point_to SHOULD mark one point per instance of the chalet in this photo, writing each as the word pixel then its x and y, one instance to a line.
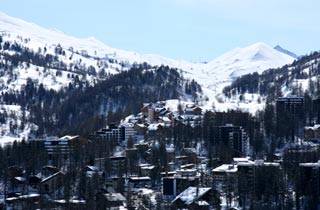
pixel 145 108
pixel 92 170
pixel 181 160
pixel 22 202
pixel 174 185
pixel 146 169
pixel 140 128
pixel 187 166
pixel 192 115
pixel 187 172
pixel 166 121
pixel 168 174
pixel 223 172
pixel 152 128
pixel 192 109
pixel 193 198
pixel 152 111
pixel 71 204
pixel 48 170
pixel 312 132
pixel 52 183
pixel 140 181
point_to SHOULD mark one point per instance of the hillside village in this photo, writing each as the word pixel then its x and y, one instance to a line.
pixel 134 165
pixel 87 126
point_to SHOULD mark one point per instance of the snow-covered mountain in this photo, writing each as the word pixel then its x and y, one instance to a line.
pixel 54 59
pixel 213 75
pixel 240 61
pixel 40 37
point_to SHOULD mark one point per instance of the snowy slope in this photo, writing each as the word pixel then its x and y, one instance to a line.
pixel 220 72
pixel 254 58
pixel 83 53
pixel 213 76
pixel 14 129
pixel 40 37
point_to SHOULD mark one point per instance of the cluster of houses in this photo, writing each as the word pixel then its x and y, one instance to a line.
pixel 160 114
pixel 180 178
pixel 189 181
pixel 29 190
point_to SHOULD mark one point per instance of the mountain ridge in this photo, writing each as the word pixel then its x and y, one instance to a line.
pixel 213 75
pixel 53 60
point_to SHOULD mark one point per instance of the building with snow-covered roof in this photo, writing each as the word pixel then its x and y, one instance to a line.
pixel 312 132
pixel 257 176
pixel 60 147
pixel 52 183
pixel 140 181
pixel 237 160
pixel 223 172
pixel 173 184
pixel 146 169
pixel 194 198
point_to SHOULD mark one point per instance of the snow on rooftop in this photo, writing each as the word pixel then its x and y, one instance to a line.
pixel 315 127
pixel 228 168
pixel 68 137
pixel 155 126
pixel 317 164
pixel 191 194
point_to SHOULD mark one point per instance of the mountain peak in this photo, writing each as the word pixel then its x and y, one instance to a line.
pixel 253 58
pixel 259 45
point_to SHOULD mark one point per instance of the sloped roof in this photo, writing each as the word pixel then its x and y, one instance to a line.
pixel 115 197
pixel 191 195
